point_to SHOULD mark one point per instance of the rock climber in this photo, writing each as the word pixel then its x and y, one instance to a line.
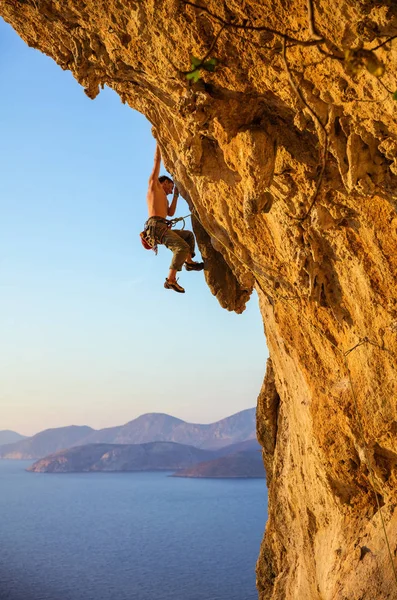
pixel 157 228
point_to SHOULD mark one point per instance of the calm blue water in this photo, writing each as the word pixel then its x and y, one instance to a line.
pixel 127 536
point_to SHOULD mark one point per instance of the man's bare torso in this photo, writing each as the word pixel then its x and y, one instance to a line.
pixel 157 201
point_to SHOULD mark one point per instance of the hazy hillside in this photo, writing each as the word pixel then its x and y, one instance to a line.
pixel 46 442
pixel 241 464
pixel 154 427
pixel 151 427
pixel 251 445
pixel 10 437
pixel 154 456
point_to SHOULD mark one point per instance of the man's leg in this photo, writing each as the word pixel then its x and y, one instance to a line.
pixel 181 251
pixel 188 236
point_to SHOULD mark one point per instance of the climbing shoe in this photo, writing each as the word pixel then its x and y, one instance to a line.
pixel 194 266
pixel 173 285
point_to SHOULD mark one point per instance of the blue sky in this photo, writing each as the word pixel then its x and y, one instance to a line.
pixel 89 335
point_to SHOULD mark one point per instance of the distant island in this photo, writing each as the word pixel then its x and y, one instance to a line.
pixel 242 465
pixel 153 456
pixel 183 460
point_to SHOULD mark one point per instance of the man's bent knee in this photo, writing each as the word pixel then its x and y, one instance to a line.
pixel 180 255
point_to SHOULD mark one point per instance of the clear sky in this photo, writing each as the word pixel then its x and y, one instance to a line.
pixel 88 333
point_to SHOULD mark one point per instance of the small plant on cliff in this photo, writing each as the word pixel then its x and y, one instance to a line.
pixel 197 65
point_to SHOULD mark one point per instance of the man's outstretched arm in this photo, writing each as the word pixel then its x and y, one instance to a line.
pixel 156 167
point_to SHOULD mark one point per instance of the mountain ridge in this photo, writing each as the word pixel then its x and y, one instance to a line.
pixel 36 446
pixel 149 427
pixel 7 436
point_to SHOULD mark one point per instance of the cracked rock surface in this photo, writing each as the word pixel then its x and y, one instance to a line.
pixel 317 239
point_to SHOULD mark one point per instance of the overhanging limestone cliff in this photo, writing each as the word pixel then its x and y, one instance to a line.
pixel 317 238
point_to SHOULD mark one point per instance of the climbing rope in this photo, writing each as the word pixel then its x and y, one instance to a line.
pixel 172 222
pixel 344 355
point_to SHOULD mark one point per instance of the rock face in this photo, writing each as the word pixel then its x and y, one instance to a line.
pixel 287 154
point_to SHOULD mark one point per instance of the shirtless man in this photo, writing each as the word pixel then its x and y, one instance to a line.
pixel 179 241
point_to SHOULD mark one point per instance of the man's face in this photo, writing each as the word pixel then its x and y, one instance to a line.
pixel 168 186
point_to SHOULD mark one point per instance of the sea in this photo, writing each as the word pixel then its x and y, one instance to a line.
pixel 128 536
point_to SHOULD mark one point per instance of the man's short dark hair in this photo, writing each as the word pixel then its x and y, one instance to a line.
pixel 163 178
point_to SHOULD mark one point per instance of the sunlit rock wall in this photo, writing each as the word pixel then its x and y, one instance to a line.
pixel 287 156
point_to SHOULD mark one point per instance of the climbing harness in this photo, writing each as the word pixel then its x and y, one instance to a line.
pixel 148 236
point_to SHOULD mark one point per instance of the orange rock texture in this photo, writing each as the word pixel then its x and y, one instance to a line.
pixel 287 154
